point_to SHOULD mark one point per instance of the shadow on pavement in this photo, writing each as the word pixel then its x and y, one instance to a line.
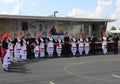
pixel 19 67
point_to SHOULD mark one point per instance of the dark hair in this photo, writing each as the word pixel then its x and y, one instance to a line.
pixel 115 34
pixel 66 32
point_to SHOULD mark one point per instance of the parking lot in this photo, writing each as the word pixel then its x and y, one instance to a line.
pixel 100 69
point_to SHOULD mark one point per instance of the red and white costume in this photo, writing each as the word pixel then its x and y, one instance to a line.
pixel 36 48
pixel 5 57
pixel 104 44
pixel 50 46
pixel 42 47
pixel 73 45
pixel 87 45
pixel 17 48
pixel 23 48
pixel 59 46
pixel 10 47
pixel 80 45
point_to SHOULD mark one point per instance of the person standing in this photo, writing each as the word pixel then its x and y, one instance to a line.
pixel 29 46
pixel 86 44
pixel 59 46
pixel 50 45
pixel 92 45
pixel 115 39
pixel 80 45
pixel 73 45
pixel 66 44
pixel 53 31
pixel 10 47
pixel 23 48
pixel 104 44
pixel 17 47
pixel 36 48
pixel 42 46
pixel 5 57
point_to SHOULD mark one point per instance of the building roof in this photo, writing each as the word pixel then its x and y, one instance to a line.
pixel 55 18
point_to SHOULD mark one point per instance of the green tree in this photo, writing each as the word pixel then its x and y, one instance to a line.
pixel 113 28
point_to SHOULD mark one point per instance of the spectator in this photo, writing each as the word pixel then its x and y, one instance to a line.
pixel 115 39
pixel 66 44
pixel 93 50
pixel 53 31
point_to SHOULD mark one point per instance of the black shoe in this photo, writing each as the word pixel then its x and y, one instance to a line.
pixel 5 69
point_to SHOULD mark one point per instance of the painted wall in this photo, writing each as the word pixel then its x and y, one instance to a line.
pixel 35 27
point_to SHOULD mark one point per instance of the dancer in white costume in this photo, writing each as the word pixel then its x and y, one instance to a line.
pixel 50 46
pixel 80 45
pixel 23 48
pixel 86 44
pixel 17 47
pixel 104 44
pixel 59 46
pixel 42 46
pixel 10 47
pixel 36 48
pixel 5 57
pixel 73 45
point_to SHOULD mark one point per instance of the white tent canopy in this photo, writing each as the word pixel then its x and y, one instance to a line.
pixel 115 31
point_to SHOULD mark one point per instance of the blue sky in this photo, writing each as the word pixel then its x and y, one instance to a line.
pixel 70 8
pixel 47 7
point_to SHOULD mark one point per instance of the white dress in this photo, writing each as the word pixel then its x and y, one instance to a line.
pixel 80 46
pixel 24 50
pixel 42 48
pixel 59 47
pixel 50 47
pixel 36 49
pixel 17 50
pixel 73 46
pixel 87 46
pixel 104 45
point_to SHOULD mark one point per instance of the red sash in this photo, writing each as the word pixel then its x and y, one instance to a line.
pixel 107 46
pixel 67 42
pixel 58 45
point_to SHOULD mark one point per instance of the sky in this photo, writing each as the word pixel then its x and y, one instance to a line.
pixel 102 9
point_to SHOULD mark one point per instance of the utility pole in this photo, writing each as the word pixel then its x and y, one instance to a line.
pixel 55 13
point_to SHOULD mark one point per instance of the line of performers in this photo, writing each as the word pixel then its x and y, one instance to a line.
pixel 24 47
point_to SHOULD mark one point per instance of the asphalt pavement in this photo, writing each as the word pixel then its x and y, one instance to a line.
pixel 100 69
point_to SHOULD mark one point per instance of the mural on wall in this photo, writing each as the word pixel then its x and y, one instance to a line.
pixel 35 27
pixel 76 28
pixel 70 27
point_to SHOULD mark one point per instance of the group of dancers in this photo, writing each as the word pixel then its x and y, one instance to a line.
pixel 20 49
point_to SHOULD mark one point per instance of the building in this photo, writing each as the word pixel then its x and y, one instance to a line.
pixel 39 24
